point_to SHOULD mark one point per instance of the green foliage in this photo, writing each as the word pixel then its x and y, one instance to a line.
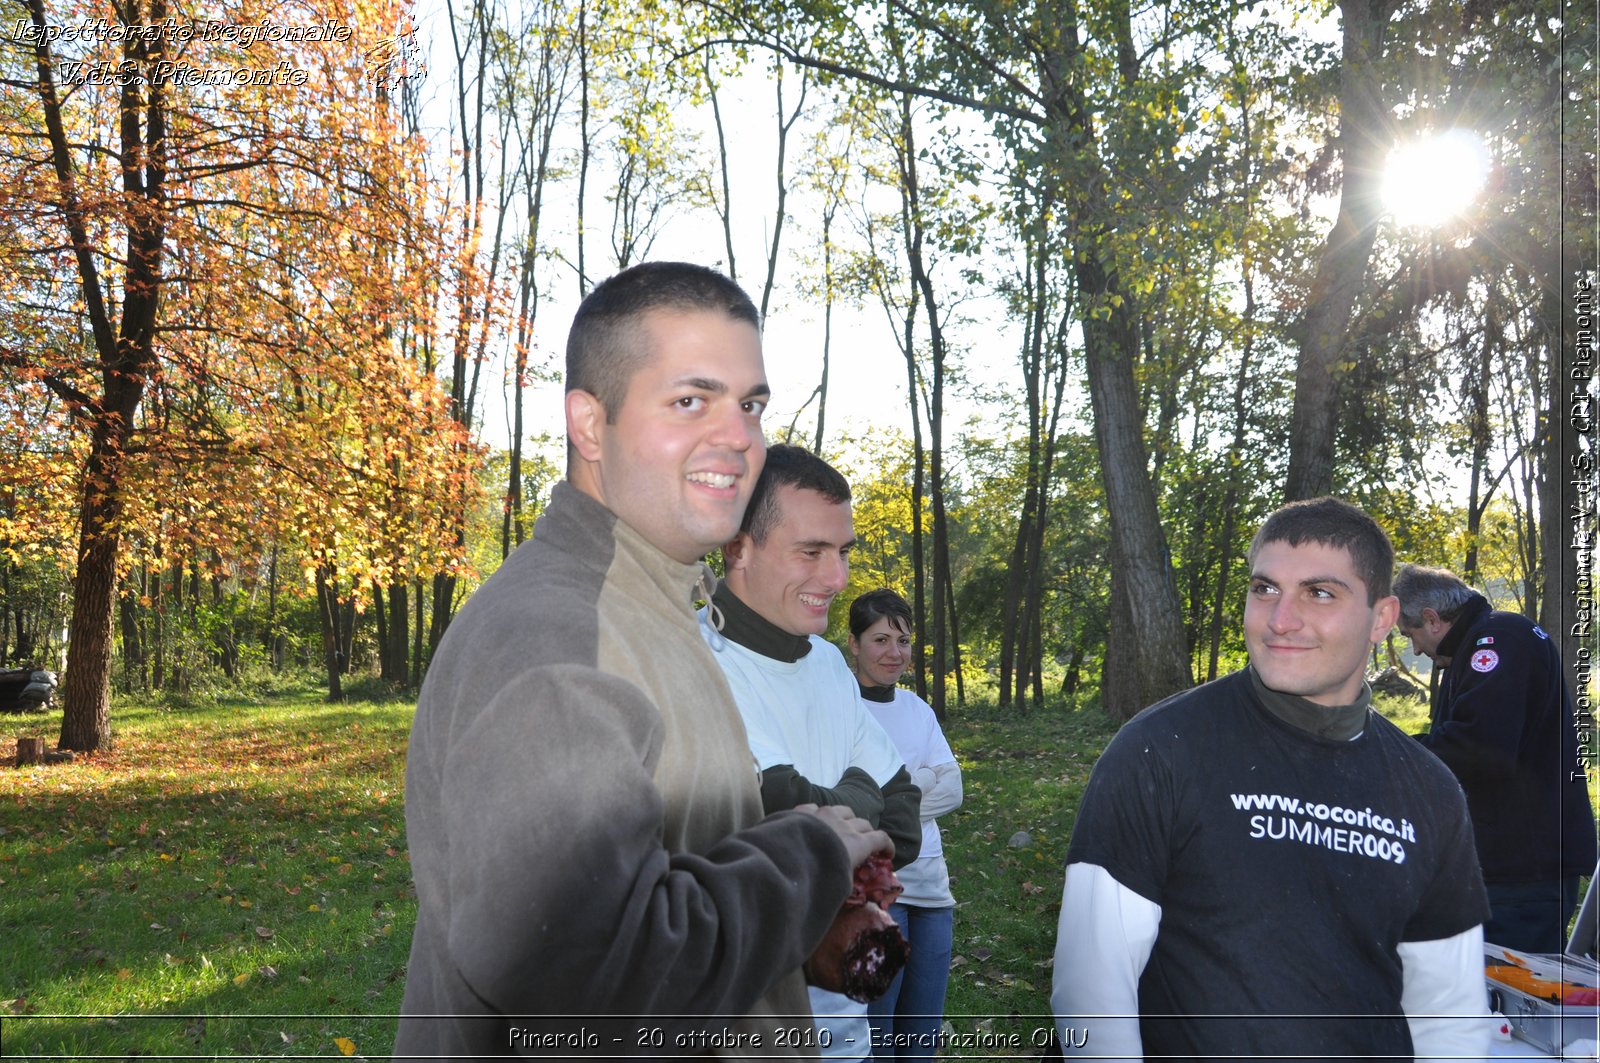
pixel 879 471
pixel 34 595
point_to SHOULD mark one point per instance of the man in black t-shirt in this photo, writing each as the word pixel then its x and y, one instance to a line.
pixel 1264 867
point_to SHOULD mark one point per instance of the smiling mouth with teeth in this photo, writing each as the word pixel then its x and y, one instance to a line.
pixel 806 599
pixel 712 479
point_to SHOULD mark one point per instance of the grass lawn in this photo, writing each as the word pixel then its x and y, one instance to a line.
pixel 1021 774
pixel 231 881
pixel 239 871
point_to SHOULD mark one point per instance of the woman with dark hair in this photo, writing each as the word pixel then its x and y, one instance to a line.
pixel 906 1019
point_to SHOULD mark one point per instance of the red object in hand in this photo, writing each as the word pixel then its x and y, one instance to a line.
pixel 863 949
pixel 875 881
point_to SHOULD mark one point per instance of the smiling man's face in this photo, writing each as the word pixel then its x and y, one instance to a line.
pixel 792 577
pixel 678 460
pixel 1307 622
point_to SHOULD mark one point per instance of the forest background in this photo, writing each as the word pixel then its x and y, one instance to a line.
pixel 1074 292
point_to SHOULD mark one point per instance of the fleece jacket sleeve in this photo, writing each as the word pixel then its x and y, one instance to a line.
pixel 902 817
pixel 782 788
pixel 562 897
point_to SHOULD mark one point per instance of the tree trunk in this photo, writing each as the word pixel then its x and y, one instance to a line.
pixel 444 591
pixel 1014 615
pixel 158 628
pixel 1034 596
pixel 133 677
pixel 724 206
pixel 399 636
pixel 1566 512
pixel 784 126
pixel 380 608
pixel 955 643
pixel 922 284
pixel 1013 625
pixel 919 610
pixel 6 593
pixel 225 639
pixel 827 325
pixel 419 664
pixel 1363 141
pixel 274 642
pixel 918 553
pixel 86 689
pixel 1478 431
pixel 330 614
pixel 178 662
pixel 584 146
pixel 126 355
pixel 1146 658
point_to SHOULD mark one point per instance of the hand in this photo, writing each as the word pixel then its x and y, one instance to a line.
pixel 861 839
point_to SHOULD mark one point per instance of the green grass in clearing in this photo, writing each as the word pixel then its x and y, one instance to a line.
pixel 231 880
pixel 1020 773
pixel 241 868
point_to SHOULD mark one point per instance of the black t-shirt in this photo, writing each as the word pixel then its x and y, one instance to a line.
pixel 1288 869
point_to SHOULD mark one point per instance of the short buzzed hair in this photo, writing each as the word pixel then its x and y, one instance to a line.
pixel 603 347
pixel 1333 522
pixel 796 467
pixel 1439 589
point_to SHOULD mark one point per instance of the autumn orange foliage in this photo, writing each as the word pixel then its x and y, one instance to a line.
pixel 222 251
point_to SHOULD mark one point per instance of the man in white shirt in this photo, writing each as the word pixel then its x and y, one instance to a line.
pixel 812 740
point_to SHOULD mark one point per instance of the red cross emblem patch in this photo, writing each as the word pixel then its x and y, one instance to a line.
pixel 1485 661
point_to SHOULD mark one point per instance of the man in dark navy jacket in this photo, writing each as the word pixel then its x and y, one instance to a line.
pixel 1503 721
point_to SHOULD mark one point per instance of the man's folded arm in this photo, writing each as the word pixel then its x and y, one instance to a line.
pixel 563 898
pixel 782 787
pixel 901 819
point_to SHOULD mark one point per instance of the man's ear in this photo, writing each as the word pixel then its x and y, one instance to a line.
pixel 1387 613
pixel 736 554
pixel 1431 617
pixel 586 420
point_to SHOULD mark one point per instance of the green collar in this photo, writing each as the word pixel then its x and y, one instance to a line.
pixel 1338 723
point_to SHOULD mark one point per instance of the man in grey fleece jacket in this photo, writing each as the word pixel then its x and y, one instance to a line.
pixel 593 869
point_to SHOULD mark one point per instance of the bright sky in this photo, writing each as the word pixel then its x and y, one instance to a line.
pixel 867 375
pixel 867 385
